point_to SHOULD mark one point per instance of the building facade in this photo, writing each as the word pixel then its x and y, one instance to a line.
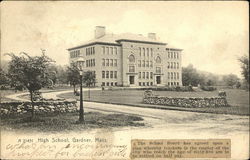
pixel 129 60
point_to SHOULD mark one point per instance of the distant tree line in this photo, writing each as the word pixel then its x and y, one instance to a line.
pixel 192 76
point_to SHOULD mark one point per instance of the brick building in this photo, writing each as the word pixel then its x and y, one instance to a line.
pixel 129 60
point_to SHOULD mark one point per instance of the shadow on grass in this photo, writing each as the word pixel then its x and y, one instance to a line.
pixel 63 122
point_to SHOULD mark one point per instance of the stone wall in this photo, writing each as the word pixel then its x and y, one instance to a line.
pixel 7 108
pixel 187 102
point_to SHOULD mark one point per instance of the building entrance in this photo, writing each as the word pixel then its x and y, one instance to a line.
pixel 158 79
pixel 131 79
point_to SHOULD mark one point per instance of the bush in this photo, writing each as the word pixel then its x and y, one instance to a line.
pixel 208 88
pixel 177 88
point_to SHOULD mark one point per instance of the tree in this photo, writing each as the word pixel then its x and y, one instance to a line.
pixel 230 80
pixel 244 61
pixel 190 76
pixel 3 79
pixel 29 72
pixel 62 74
pixel 73 76
pixel 89 79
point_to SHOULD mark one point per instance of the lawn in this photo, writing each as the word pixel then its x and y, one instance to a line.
pixel 237 99
pixel 52 122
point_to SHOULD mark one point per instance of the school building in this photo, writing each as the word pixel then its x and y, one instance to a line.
pixel 129 60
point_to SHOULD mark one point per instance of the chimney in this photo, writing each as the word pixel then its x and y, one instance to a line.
pixel 152 36
pixel 99 31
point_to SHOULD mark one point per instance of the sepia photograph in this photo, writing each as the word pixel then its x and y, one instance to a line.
pixel 124 80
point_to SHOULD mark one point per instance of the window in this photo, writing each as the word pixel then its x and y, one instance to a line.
pixel 103 62
pixel 171 75
pixel 93 50
pixel 115 50
pixel 103 51
pixel 168 65
pixel 174 55
pixel 115 83
pixel 151 64
pixel 111 83
pixel 139 83
pixel 177 55
pixel 147 75
pixel 171 54
pixel 158 69
pixel 177 65
pixel 107 74
pixel 115 64
pixel 131 58
pixel 111 74
pixel 158 60
pixel 177 75
pixel 143 75
pixel 143 63
pixel 174 75
pixel 107 83
pixel 139 75
pixel 111 62
pixel 103 83
pixel 139 63
pixel 140 51
pixel 151 75
pixel 93 62
pixel 115 74
pixel 168 54
pixel 151 83
pixel 103 74
pixel 131 68
pixel 171 66
pixel 151 49
pixel 168 75
pixel 143 83
pixel 177 83
pixel 147 52
pixel 111 50
pixel 147 65
pixel 174 65
pixel 107 50
pixel 86 51
pixel 107 62
pixel 144 52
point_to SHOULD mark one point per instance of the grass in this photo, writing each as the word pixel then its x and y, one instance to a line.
pixel 53 122
pixel 237 99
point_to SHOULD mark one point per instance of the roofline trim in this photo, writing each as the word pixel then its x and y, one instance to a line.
pixel 177 49
pixel 93 43
pixel 138 41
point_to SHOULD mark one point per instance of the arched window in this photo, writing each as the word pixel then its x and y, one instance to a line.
pixel 131 58
pixel 158 60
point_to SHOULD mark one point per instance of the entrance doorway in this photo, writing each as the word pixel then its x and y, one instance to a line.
pixel 131 79
pixel 158 79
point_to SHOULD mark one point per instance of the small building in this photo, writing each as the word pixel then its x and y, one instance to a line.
pixel 129 60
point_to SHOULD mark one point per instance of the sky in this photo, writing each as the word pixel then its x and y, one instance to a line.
pixel 212 34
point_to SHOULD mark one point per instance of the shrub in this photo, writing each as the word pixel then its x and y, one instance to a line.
pixel 177 88
pixel 208 88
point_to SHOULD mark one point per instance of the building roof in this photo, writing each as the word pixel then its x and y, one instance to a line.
pixel 115 39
